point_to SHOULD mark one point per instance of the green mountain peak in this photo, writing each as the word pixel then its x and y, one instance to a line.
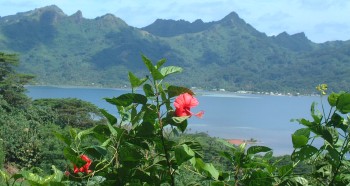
pixel 226 54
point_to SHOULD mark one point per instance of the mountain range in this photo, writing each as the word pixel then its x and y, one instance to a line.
pixel 226 54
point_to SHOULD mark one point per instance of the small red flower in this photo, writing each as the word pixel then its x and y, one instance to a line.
pixel 183 104
pixel 67 173
pixel 84 168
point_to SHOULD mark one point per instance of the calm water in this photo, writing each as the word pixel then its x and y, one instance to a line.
pixel 265 118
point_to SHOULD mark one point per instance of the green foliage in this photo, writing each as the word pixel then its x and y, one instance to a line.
pixel 11 83
pixel 2 153
pixel 71 112
pixel 29 178
pixel 135 148
pixel 229 53
pixel 27 139
pixel 143 143
pixel 329 162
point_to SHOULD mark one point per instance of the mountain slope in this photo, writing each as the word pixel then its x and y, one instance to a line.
pixel 229 53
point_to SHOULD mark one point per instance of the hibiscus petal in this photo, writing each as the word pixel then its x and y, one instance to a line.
pixel 194 102
pixel 85 158
pixel 189 100
pixel 185 100
pixel 179 112
pixel 199 114
pixel 76 169
pixel 179 101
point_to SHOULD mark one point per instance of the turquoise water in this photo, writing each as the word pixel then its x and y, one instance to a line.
pixel 231 116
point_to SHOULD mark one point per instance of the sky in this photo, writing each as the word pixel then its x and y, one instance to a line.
pixel 320 20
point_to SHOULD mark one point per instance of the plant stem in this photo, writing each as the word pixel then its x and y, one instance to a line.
pixel 342 153
pixel 167 159
pixel 162 136
pixel 236 175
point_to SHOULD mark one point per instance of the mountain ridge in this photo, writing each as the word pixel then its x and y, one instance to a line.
pixel 229 53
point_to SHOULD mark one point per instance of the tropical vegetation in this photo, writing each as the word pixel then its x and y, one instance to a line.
pixel 145 141
pixel 227 54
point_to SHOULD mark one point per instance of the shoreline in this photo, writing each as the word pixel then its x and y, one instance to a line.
pixel 77 87
pixel 199 92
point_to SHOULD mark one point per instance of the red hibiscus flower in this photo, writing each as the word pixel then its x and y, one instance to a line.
pixel 183 104
pixel 84 168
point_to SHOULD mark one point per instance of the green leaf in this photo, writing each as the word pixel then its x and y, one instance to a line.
pixel 127 99
pixel 299 140
pixel 303 132
pixel 334 133
pixel 285 170
pixel 195 146
pixel 160 63
pixel 332 99
pixel 225 142
pixel 129 152
pixel 71 155
pixel 102 133
pixel 6 177
pixel 300 137
pixel 147 88
pixel 175 91
pixel 35 179
pixel 305 122
pixel 73 133
pixel 304 153
pixel 111 119
pixel 317 116
pixel 226 155
pixel 84 133
pixel 150 114
pixel 183 153
pixel 298 181
pixel 211 170
pixel 180 119
pixel 165 100
pixel 135 81
pixel 63 138
pixel 96 180
pixel 333 155
pixel 338 122
pixel 145 129
pixel 165 71
pixel 180 122
pixel 113 130
pixel 329 134
pixel 182 126
pixel 97 152
pixel 343 103
pixel 217 183
pixel 268 155
pixel 152 69
pixel 258 149
pixel 57 174
pixel 106 143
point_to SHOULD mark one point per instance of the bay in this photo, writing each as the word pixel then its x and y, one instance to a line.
pixel 265 118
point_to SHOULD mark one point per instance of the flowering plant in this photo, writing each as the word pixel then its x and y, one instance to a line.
pixel 84 168
pixel 139 146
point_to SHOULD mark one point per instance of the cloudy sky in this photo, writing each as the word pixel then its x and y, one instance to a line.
pixel 320 20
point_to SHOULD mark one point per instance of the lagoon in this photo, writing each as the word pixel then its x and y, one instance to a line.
pixel 265 118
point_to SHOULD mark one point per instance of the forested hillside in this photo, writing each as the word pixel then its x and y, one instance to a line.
pixel 230 54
